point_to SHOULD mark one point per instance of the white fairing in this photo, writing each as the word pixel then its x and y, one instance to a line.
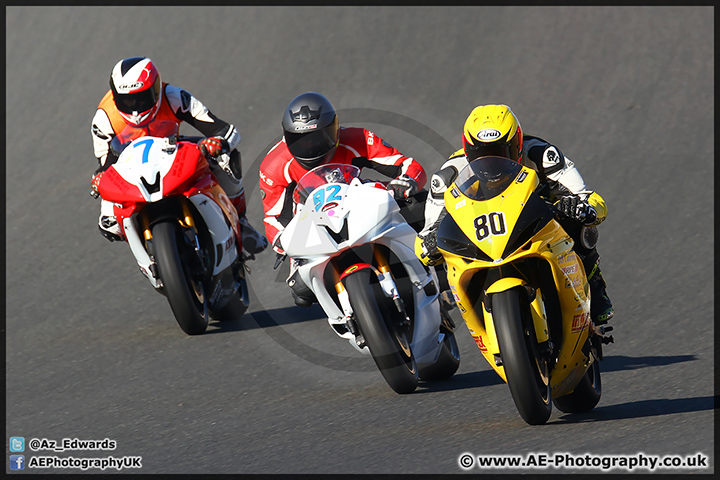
pixel 147 158
pixel 371 215
pixel 138 250
pixel 223 236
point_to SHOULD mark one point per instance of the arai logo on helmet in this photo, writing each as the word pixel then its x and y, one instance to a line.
pixel 131 86
pixel 489 134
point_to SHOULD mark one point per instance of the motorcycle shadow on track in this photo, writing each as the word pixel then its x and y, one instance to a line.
pixel 639 409
pixel 268 318
pixel 461 381
pixel 617 363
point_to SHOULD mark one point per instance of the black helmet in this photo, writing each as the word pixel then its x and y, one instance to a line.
pixel 310 127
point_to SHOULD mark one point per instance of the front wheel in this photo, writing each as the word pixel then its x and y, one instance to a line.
pixel 586 394
pixel 185 294
pixel 526 373
pixel 385 338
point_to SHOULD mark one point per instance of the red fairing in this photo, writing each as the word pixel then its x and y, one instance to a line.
pixel 114 188
pixel 188 165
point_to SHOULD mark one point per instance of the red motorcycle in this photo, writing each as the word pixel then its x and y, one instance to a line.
pixel 179 223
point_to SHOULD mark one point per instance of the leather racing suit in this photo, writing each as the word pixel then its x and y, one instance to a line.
pixel 177 105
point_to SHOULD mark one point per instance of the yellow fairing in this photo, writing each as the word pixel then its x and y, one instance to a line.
pixel 550 245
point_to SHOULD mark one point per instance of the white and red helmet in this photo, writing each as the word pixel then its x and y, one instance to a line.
pixel 137 89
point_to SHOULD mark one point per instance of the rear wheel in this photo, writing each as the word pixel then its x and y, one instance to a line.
pixel 449 360
pixel 185 293
pixel 526 372
pixel 237 305
pixel 447 363
pixel 586 394
pixel 379 326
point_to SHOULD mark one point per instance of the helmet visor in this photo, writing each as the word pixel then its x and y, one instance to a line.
pixel 312 145
pixel 138 101
pixel 508 149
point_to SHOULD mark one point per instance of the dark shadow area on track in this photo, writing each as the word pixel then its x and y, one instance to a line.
pixel 644 408
pixel 612 363
pixel 489 377
pixel 267 318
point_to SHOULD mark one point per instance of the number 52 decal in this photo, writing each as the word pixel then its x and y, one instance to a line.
pixel 491 224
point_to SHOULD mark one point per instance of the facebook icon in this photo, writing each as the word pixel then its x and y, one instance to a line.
pixel 17 462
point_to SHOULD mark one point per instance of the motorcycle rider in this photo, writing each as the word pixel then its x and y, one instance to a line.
pixel 312 137
pixel 138 96
pixel 495 130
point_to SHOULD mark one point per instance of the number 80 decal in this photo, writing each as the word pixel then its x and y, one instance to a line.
pixel 490 224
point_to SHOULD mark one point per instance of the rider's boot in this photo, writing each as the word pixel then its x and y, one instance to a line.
pixel 253 241
pixel 108 224
pixel 301 293
pixel 601 309
pixel 227 168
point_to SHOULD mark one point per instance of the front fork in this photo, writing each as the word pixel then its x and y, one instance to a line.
pixel 387 283
pixel 200 267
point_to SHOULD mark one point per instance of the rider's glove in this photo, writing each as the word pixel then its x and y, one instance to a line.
pixel 427 250
pixel 403 187
pixel 94 185
pixel 212 147
pixel 277 246
pixel 574 208
pixel 280 254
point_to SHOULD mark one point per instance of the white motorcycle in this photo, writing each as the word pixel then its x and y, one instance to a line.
pixel 355 251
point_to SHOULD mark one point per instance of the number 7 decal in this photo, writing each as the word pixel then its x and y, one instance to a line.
pixel 147 144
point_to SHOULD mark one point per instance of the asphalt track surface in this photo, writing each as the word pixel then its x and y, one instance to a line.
pixel 93 352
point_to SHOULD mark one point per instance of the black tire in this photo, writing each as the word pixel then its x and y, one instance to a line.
pixel 586 394
pixel 236 306
pixel 233 310
pixel 387 342
pixel 526 374
pixel 185 295
pixel 447 363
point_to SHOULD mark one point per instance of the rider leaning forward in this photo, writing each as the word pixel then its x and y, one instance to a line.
pixel 313 137
pixel 137 96
pixel 561 183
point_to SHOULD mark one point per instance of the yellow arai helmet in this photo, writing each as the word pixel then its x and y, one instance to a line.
pixel 492 130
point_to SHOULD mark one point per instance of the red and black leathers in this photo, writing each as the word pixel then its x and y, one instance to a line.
pixel 279 172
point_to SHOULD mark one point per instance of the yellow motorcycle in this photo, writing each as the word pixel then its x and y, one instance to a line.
pixel 521 289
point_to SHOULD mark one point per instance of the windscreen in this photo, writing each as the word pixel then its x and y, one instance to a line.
pixel 487 177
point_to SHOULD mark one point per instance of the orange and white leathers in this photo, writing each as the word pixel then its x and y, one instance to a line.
pixel 176 105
